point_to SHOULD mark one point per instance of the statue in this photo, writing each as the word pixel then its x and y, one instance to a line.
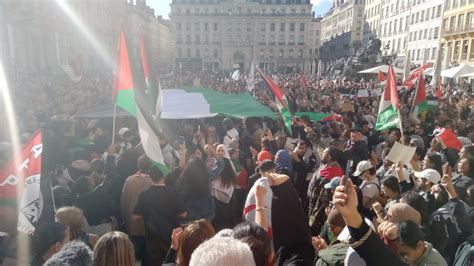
pixel 368 53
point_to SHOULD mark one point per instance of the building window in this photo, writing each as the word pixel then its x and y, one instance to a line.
pixel 188 26
pixel 206 26
pixel 188 39
pixel 465 47
pixel 301 26
pixel 188 52
pixel 438 11
pixel 272 26
pixel 292 26
pixel 216 53
pixel 300 53
pixel 179 38
pixel 215 27
pixel 291 53
pixel 425 34
pixel 436 30
pixel 422 18
pixel 180 52
pixel 281 53
pixel 198 52
pixel 271 53
pixel 262 53
pixel 433 53
pixel 178 26
pixel 282 26
pixel 206 52
pixel 262 27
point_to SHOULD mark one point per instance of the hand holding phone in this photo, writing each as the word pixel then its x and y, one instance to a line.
pixel 348 172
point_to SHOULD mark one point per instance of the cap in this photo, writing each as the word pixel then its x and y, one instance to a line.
pixel 333 183
pixel 264 155
pixel 432 175
pixel 362 166
pixel 123 130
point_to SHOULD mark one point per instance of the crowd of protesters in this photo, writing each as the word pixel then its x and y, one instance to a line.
pixel 249 192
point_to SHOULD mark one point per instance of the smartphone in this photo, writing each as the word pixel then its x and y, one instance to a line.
pixel 348 172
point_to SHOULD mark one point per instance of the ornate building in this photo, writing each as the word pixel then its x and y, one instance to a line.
pixel 342 30
pixel 372 20
pixel 230 34
pixel 458 31
pixel 42 34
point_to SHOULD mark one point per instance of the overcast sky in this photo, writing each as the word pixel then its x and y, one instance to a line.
pixel 162 7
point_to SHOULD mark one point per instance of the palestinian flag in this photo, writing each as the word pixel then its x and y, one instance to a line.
pixel 320 117
pixel 138 102
pixel 191 103
pixel 412 79
pixel 420 103
pixel 280 98
pixel 305 87
pixel 388 109
pixel 20 181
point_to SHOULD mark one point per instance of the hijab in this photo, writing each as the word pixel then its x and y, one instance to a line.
pixel 283 161
pixel 400 212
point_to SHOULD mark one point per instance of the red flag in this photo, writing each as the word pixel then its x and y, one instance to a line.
pixel 449 138
pixel 274 87
pixel 392 89
pixel 439 91
pixel 20 180
pixel 381 76
pixel 123 76
pixel 421 90
pixel 414 74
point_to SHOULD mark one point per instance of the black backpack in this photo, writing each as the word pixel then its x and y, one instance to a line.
pixel 465 253
pixel 445 234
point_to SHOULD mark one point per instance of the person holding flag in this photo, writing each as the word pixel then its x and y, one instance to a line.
pixel 280 99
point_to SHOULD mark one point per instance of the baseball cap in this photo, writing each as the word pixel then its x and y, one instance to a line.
pixel 362 166
pixel 333 183
pixel 432 175
pixel 123 130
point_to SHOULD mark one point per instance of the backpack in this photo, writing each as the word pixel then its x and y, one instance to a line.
pixel 465 253
pixel 333 255
pixel 318 202
pixel 445 234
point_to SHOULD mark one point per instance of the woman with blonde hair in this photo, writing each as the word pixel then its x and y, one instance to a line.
pixel 114 249
pixel 75 220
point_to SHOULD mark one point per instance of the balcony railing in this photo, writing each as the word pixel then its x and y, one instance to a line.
pixel 459 29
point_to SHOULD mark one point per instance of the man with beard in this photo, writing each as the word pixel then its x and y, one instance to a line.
pixel 425 181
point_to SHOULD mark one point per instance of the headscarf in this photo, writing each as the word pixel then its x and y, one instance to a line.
pixel 284 161
pixel 401 212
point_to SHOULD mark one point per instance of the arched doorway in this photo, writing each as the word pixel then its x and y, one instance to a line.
pixel 238 61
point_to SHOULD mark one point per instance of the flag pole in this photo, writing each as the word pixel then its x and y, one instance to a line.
pixel 113 123
pixel 400 124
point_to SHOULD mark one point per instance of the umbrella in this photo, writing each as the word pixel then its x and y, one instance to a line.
pixel 468 75
pixel 383 68
pixel 458 71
